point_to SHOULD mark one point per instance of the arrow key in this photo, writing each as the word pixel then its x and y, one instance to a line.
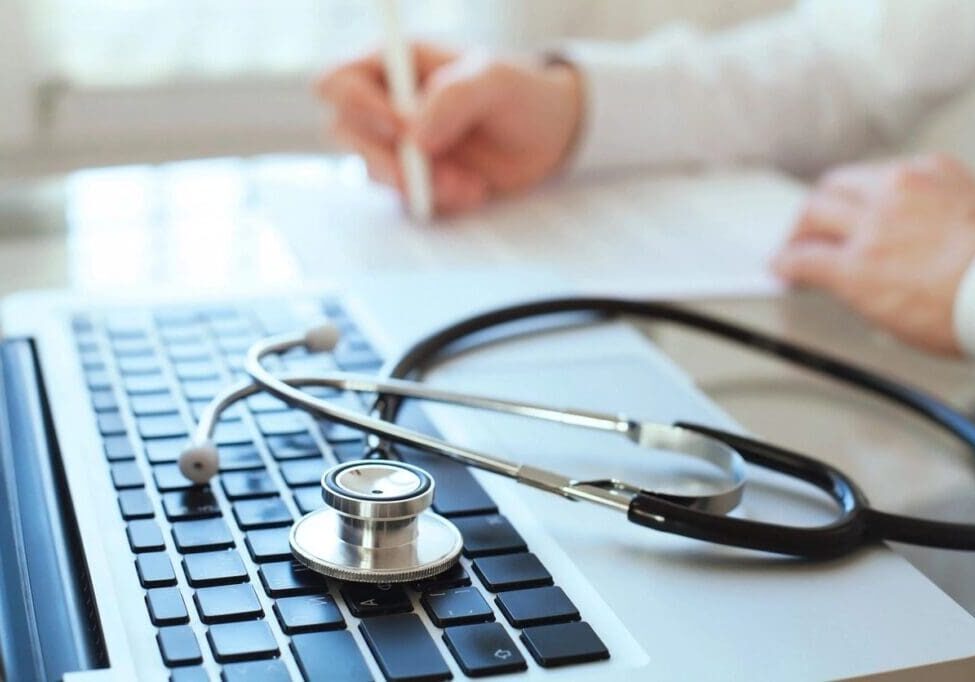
pixel 484 649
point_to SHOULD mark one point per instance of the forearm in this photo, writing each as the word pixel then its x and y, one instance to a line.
pixel 820 84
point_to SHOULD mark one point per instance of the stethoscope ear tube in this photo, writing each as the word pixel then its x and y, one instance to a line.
pixel 846 533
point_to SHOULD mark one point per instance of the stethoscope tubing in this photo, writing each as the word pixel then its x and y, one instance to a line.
pixel 858 523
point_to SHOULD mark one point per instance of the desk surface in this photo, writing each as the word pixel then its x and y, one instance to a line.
pixel 82 233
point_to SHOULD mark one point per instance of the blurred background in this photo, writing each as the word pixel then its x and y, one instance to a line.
pixel 92 82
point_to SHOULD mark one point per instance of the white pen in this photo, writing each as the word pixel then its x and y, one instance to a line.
pixel 401 78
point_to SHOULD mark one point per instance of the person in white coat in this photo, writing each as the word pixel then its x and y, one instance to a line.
pixel 820 85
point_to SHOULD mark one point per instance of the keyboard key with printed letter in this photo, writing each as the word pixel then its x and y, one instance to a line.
pixel 403 648
pixel 484 649
pixel 308 613
pixel 456 607
pixel 365 600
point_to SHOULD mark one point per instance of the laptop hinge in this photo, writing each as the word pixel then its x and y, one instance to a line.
pixel 48 620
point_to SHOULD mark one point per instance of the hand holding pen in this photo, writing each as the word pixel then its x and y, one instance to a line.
pixel 487 127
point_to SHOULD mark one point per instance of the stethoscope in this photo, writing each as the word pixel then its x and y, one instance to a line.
pixel 376 525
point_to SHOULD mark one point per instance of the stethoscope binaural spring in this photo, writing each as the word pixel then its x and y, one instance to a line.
pixel 701 516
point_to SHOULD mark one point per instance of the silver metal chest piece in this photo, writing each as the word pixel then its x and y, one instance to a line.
pixel 376 527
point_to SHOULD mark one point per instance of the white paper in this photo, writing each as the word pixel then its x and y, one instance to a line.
pixel 706 234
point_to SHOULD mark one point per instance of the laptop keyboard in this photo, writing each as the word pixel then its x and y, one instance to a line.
pixel 220 582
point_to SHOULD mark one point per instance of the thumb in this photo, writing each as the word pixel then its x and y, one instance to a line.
pixel 810 263
pixel 455 100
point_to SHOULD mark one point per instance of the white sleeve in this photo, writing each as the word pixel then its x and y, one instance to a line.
pixel 821 83
pixel 964 312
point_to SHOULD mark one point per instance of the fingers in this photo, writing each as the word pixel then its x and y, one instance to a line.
pixel 827 216
pixel 813 264
pixel 456 98
pixel 457 189
pixel 361 102
pixel 380 158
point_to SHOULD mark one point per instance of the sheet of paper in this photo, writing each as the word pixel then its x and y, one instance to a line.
pixel 705 234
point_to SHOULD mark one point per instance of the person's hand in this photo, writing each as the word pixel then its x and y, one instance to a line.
pixel 490 126
pixel 893 240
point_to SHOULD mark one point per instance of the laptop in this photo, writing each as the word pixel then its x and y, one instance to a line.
pixel 114 567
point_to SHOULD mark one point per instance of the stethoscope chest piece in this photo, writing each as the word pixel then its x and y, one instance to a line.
pixel 376 526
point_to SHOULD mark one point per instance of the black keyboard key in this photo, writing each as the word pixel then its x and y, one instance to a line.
pixel 403 648
pixel 135 504
pixel 290 579
pixel 458 606
pixel 166 606
pixel 308 613
pixel 268 512
pixel 309 499
pixel 337 434
pixel 457 492
pixel 187 346
pixel 153 404
pixel 455 576
pixel 484 649
pixel 194 674
pixel 282 423
pixel 161 426
pixel 240 485
pixel 511 572
pixel 155 569
pixel 239 457
pixel 179 646
pixel 126 475
pixel 227 603
pixel 293 446
pixel 487 535
pixel 214 568
pixel 232 433
pixel 195 503
pixel 141 384
pixel 165 449
pixel 270 544
pixel 110 424
pixel 169 477
pixel 103 400
pixel 118 449
pixel 242 641
pixel 365 600
pixel 536 606
pixel 332 656
pixel 563 644
pixel 144 536
pixel 303 471
pixel 271 670
pixel 202 535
